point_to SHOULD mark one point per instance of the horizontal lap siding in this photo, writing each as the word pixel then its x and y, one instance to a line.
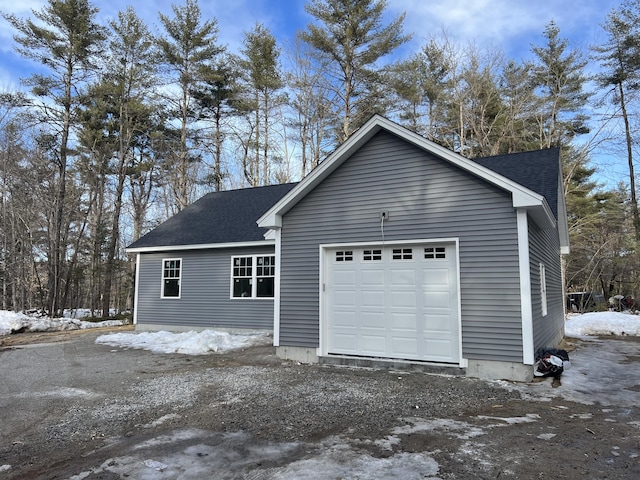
pixel 545 248
pixel 205 293
pixel 426 198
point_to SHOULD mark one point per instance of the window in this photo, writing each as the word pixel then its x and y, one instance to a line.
pixel 253 276
pixel 171 273
pixel 543 289
pixel 402 254
pixel 372 255
pixel 344 256
pixel 435 252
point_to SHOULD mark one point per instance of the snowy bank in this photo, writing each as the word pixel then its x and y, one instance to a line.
pixel 13 322
pixel 189 343
pixel 602 323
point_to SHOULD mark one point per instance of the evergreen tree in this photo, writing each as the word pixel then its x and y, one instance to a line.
pixel 64 39
pixel 559 79
pixel 188 51
pixel 260 62
pixel 352 38
pixel 620 59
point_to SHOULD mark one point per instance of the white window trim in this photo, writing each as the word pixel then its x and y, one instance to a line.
pixel 254 277
pixel 543 289
pixel 162 279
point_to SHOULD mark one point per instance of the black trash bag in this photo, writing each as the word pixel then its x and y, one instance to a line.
pixel 550 362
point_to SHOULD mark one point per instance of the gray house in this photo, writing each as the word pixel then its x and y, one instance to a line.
pixel 394 249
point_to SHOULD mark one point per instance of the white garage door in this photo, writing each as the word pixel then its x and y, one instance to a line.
pixel 396 302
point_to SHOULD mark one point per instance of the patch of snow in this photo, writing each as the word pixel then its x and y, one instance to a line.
pixel 602 323
pixel 188 343
pixel 546 436
pixel 12 322
pixel 5 468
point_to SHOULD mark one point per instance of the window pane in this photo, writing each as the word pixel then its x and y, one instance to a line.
pixel 171 288
pixel 265 287
pixel 242 287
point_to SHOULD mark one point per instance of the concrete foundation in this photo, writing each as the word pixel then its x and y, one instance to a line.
pixel 492 370
pixel 298 354
pixel 483 369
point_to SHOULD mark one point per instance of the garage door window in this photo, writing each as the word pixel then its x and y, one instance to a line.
pixel 435 252
pixel 344 256
pixel 402 253
pixel 372 255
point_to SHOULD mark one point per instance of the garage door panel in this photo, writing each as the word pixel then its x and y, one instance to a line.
pixel 344 298
pixel 438 349
pixel 405 347
pixel 404 321
pixel 345 318
pixel 345 342
pixel 372 277
pixel 436 277
pixel 401 306
pixel 434 323
pixel 437 299
pixel 344 278
pixel 373 344
pixel 403 277
pixel 372 319
pixel 403 299
pixel 372 298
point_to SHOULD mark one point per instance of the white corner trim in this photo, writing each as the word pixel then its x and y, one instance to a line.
pixel 136 290
pixel 276 294
pixel 525 287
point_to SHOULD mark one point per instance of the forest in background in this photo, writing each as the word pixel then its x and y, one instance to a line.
pixel 122 127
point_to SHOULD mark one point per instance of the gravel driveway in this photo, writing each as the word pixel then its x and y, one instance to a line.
pixel 72 409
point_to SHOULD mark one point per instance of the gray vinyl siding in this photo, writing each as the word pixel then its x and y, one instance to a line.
pixel 544 247
pixel 427 198
pixel 205 292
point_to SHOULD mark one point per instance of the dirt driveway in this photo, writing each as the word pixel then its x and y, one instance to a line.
pixel 72 409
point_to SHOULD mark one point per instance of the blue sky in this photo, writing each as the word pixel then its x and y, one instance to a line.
pixel 509 25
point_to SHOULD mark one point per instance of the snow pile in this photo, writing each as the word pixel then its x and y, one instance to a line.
pixel 602 323
pixel 12 322
pixel 188 343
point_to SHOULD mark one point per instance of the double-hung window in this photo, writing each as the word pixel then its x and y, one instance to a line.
pixel 171 274
pixel 253 276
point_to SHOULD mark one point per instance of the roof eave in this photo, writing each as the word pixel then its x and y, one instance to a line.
pixel 201 246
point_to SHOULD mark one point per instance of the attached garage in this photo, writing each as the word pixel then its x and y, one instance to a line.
pixel 396 301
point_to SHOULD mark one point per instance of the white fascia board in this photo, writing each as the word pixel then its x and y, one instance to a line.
pixel 522 197
pixel 203 246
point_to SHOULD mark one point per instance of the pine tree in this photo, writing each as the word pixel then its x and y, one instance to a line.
pixel 64 39
pixel 352 38
pixel 187 50
pixel 620 59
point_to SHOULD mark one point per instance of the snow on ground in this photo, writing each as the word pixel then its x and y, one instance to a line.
pixel 12 322
pixel 602 323
pixel 189 343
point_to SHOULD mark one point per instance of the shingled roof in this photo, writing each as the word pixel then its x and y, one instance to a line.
pixel 216 218
pixel 537 170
